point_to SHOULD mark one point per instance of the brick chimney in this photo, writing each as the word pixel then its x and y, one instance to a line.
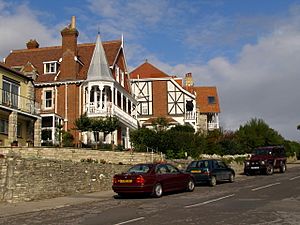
pixel 32 43
pixel 69 67
pixel 189 80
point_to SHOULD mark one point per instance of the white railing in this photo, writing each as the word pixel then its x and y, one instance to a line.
pixel 93 110
pixel 190 116
pixel 212 126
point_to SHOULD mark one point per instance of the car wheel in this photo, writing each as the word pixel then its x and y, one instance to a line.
pixel 213 181
pixel 283 168
pixel 231 178
pixel 157 191
pixel 269 170
pixel 191 185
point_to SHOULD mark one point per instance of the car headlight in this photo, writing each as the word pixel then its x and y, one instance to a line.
pixel 263 162
pixel 247 163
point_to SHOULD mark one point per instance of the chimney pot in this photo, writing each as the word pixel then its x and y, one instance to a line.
pixel 73 22
pixel 32 43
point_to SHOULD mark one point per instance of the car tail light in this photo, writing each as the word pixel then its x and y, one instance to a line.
pixel 140 180
pixel 114 180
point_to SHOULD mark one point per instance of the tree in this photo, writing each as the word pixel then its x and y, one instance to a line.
pixel 110 124
pixel 82 124
pixel 160 124
pixel 256 133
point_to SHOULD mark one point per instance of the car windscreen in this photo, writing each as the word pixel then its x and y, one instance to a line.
pixel 139 169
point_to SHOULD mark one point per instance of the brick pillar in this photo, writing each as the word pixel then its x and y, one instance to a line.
pixel 12 127
pixel 37 132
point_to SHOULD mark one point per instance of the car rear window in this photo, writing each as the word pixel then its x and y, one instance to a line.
pixel 139 169
pixel 199 164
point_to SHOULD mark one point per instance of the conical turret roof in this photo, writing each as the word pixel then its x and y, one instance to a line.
pixel 99 68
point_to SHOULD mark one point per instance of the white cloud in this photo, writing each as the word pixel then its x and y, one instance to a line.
pixel 19 24
pixel 263 82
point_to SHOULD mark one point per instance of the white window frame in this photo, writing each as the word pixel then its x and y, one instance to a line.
pixel 117 74
pixel 52 67
pixel 45 100
pixel 122 78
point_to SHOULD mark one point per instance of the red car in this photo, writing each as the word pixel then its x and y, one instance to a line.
pixel 152 178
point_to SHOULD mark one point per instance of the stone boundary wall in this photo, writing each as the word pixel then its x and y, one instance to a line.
pixel 76 155
pixel 33 179
pixel 28 174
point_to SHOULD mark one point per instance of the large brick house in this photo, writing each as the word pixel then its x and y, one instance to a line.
pixel 73 79
pixel 180 102
pixel 20 123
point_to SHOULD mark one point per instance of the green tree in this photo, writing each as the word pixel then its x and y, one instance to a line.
pixel 82 124
pixel 160 124
pixel 143 138
pixel 257 133
pixel 110 124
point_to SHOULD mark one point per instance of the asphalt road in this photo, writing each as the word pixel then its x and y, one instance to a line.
pixel 250 200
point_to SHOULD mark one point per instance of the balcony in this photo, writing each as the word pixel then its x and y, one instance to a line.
pixel 212 125
pixel 190 116
pixel 18 102
pixel 94 110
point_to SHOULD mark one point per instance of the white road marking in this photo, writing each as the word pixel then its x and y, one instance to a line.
pixel 207 202
pixel 130 221
pixel 294 178
pixel 266 186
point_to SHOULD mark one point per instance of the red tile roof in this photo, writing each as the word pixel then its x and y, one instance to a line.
pixel 5 67
pixel 39 55
pixel 147 70
pixel 202 94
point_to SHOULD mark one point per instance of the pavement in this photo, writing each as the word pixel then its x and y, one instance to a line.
pixel 9 209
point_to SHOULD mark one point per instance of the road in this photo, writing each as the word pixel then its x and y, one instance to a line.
pixel 250 200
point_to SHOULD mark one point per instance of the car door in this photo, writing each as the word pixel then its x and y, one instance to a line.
pixel 163 177
pixel 223 170
pixel 216 170
pixel 177 178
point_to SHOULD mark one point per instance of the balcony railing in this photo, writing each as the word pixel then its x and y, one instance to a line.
pixel 212 125
pixel 190 116
pixel 19 102
pixel 108 109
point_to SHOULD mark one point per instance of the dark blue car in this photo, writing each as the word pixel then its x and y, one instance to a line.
pixel 210 171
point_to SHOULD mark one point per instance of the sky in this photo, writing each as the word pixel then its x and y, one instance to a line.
pixel 249 50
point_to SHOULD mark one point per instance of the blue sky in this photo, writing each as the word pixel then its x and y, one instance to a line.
pixel 248 49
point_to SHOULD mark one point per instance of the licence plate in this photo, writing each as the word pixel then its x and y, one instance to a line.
pixel 196 171
pixel 125 181
pixel 254 167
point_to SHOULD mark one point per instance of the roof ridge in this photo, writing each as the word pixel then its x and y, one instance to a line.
pixel 59 46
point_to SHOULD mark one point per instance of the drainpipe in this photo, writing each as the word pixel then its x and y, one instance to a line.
pixel 66 107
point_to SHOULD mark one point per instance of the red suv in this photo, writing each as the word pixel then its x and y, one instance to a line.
pixel 265 160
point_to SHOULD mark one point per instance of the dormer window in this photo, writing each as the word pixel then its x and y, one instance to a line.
pixel 211 100
pixel 50 67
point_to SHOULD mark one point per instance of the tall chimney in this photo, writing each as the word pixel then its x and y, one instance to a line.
pixel 69 67
pixel 189 80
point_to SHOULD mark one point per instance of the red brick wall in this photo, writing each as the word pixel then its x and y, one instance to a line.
pixel 160 101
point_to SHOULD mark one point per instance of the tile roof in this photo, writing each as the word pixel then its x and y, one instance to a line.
pixel 39 55
pixel 5 67
pixel 202 94
pixel 147 70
